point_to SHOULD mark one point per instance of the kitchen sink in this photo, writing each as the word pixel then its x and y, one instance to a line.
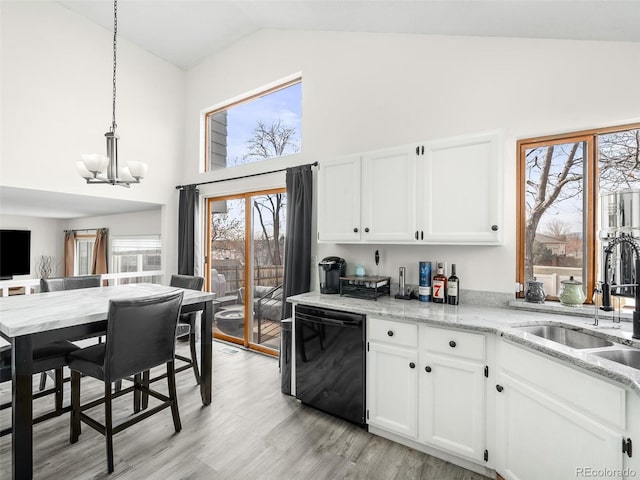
pixel 566 336
pixel 630 358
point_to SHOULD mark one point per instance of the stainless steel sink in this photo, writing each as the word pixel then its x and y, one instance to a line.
pixel 566 336
pixel 630 358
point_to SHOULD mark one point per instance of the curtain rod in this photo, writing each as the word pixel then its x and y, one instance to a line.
pixel 85 229
pixel 179 187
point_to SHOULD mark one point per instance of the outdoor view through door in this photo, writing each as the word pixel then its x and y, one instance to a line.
pixel 246 265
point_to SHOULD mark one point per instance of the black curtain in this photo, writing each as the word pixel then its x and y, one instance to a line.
pixel 186 229
pixel 297 251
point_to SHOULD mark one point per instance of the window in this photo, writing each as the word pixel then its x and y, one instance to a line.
pixel 136 254
pixel 260 127
pixel 83 258
pixel 561 179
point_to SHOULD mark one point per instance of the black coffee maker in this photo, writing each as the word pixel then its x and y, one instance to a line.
pixel 330 270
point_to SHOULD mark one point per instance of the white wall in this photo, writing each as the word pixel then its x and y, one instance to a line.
pixel 368 91
pixel 46 239
pixel 56 104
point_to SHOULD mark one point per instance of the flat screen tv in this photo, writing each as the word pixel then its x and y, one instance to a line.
pixel 15 253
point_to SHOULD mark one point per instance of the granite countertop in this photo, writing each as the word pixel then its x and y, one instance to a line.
pixel 501 322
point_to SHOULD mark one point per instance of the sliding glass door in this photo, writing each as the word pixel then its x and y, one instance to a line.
pixel 244 266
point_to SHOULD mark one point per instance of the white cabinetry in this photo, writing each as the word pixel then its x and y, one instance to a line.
pixel 339 200
pixel 553 421
pixel 460 190
pixel 452 388
pixel 392 379
pixel 437 192
pixel 368 197
pixel 388 195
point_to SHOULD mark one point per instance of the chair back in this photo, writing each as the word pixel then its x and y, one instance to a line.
pixel 140 334
pixel 69 283
pixel 186 281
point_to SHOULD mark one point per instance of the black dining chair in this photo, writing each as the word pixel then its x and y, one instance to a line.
pixel 140 336
pixel 51 356
pixel 65 283
pixel 187 323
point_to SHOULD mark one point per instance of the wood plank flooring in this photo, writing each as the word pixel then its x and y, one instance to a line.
pixel 251 431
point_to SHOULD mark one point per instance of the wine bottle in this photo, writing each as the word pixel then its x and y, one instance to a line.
pixel 440 285
pixel 453 287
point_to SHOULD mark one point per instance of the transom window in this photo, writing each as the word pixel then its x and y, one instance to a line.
pixel 561 180
pixel 260 127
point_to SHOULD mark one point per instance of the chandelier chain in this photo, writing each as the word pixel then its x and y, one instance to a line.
pixel 115 33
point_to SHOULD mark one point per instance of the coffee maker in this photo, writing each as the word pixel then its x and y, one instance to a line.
pixel 330 270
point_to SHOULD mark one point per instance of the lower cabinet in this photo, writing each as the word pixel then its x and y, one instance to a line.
pixel 392 386
pixel 429 388
pixel 555 422
pixel 508 408
pixel 452 406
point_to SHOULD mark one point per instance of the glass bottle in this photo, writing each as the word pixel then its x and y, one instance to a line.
pixel 439 285
pixel 453 287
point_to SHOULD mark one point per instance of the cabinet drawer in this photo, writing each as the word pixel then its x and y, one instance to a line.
pixel 454 342
pixel 393 333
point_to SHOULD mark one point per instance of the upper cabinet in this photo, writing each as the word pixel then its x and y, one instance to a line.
pixel 460 190
pixel 438 192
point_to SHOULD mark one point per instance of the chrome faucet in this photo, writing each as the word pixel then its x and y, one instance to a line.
pixel 597 292
pixel 607 287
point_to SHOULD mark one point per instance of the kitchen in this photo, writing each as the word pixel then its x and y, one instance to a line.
pixel 444 87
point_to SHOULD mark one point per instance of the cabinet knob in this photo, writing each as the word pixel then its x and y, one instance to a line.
pixel 412 365
pixel 494 228
pixel 452 344
pixel 390 333
pixel 427 369
pixel 500 388
pixel 366 230
pixel 355 230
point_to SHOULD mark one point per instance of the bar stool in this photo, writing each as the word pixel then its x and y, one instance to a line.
pixel 140 336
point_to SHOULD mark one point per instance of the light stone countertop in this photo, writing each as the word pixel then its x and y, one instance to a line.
pixel 28 314
pixel 501 322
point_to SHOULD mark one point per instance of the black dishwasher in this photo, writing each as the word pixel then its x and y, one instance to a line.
pixel 330 361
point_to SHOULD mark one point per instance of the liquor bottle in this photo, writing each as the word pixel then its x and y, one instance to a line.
pixel 453 287
pixel 440 285
pixel 424 291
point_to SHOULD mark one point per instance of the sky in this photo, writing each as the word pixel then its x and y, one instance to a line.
pixel 284 105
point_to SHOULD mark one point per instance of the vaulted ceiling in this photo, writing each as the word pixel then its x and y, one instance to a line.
pixel 184 32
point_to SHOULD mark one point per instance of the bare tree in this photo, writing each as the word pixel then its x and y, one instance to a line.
pixel 549 183
pixel 557 229
pixel 271 141
pixel 268 142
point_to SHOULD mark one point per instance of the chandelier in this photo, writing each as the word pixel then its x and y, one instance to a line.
pixel 97 168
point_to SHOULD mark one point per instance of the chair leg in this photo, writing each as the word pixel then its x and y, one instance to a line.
pixel 194 357
pixel 75 406
pixel 137 382
pixel 145 383
pixel 59 388
pixel 171 383
pixel 43 381
pixel 108 425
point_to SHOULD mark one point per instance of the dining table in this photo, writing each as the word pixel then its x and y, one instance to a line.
pixel 27 321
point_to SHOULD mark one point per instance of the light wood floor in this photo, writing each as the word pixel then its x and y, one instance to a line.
pixel 251 431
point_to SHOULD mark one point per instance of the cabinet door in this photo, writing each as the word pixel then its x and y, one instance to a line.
pixel 392 391
pixel 452 405
pixel 460 182
pixel 339 200
pixel 388 195
pixel 540 437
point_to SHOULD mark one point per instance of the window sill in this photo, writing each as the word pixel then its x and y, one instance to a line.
pixel 559 309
